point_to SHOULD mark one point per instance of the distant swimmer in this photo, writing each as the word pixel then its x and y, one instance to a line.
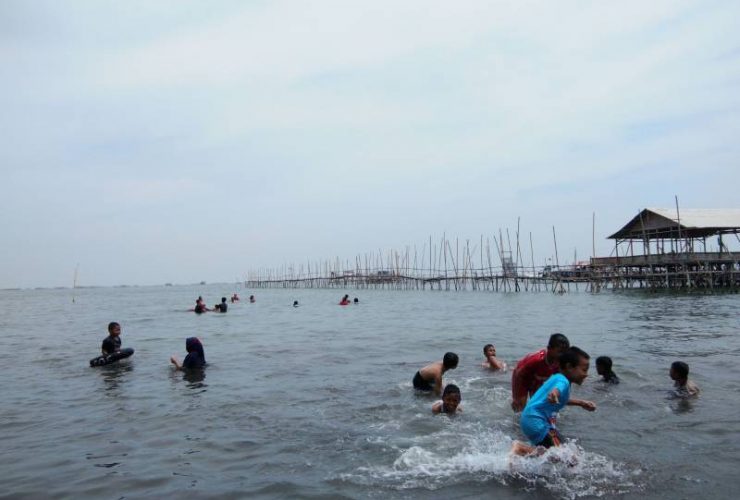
pixel 450 403
pixel 356 301
pixel 252 299
pixel 344 301
pixel 295 303
pixel 200 307
pixel 222 307
pixel 533 369
pixel 684 387
pixel 492 362
pixel 538 416
pixel 234 298
pixel 429 378
pixel 196 358
pixel 604 368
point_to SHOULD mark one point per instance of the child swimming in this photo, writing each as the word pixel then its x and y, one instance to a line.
pixel 112 343
pixel 492 362
pixel 684 387
pixel 429 378
pixel 604 368
pixel 450 403
pixel 537 417
pixel 222 307
pixel 534 368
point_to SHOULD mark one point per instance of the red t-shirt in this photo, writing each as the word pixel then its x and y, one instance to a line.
pixel 530 373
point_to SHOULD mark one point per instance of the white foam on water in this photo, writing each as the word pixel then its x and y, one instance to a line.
pixel 569 471
pixel 458 455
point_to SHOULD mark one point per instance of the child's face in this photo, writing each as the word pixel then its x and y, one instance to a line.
pixel 115 331
pixel 672 373
pixel 490 351
pixel 601 369
pixel 451 402
pixel 578 373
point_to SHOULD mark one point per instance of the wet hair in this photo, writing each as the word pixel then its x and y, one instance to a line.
pixel 295 302
pixel 604 361
pixel 223 299
pixel 681 369
pixel 356 300
pixel 450 360
pixel 485 347
pixel 111 325
pixel 451 389
pixel 558 340
pixel 572 356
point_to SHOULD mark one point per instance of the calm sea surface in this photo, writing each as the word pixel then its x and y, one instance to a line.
pixel 316 401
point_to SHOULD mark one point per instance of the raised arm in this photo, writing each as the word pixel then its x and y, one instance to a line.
pixel 586 405
pixel 495 363
pixel 174 361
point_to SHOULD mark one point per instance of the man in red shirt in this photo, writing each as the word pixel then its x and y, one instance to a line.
pixel 533 369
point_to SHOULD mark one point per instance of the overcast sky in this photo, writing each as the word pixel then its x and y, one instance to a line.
pixel 179 141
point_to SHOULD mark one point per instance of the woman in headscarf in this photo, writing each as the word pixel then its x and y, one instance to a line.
pixel 196 357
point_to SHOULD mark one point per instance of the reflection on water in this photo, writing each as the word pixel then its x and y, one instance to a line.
pixel 114 376
pixel 195 378
pixel 681 401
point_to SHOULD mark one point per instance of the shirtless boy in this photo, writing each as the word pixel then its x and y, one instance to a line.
pixel 492 362
pixel 429 378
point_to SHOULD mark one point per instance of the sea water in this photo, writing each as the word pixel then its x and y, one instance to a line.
pixel 317 402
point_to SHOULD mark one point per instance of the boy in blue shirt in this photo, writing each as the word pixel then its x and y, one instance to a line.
pixel 538 416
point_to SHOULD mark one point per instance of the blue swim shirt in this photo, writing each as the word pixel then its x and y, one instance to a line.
pixel 535 422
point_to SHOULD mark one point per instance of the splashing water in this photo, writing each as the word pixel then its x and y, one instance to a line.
pixel 449 457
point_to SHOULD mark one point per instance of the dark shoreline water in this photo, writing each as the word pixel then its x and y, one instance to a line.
pixel 316 401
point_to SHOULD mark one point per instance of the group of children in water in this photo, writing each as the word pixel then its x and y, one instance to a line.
pixel 540 382
pixel 540 387
pixel 196 358
pixel 222 307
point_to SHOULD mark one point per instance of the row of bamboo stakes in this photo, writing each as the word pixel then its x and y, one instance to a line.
pixel 440 265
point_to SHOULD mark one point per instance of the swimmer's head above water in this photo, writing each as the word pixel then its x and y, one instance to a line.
pixel 679 371
pixel 451 398
pixel 603 365
pixel 449 361
pixel 557 345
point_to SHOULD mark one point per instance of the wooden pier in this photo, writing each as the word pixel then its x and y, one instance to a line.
pixel 666 249
pixel 674 257
pixel 443 265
